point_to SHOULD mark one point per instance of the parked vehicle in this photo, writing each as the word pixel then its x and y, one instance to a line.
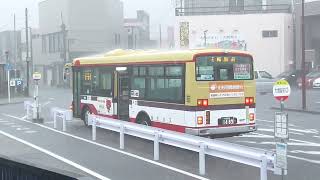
pixel 264 82
pixel 316 83
pixel 310 77
pixel 291 76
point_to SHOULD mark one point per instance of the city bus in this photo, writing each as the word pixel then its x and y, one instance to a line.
pixel 201 92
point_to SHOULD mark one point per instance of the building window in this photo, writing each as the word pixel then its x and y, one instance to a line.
pixel 269 34
pixel 44 43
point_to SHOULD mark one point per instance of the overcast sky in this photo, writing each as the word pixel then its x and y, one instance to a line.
pixel 161 12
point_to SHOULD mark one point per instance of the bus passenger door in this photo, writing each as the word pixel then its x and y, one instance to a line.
pixel 76 93
pixel 123 95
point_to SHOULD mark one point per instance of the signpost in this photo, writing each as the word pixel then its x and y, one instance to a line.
pixel 8 67
pixel 36 114
pixel 281 91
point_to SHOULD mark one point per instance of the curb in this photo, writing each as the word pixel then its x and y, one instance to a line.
pixel 297 110
pixel 18 102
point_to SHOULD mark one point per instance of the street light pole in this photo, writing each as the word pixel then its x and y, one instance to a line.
pixel 27 53
pixel 303 61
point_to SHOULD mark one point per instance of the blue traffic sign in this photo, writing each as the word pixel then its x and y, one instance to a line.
pixel 7 67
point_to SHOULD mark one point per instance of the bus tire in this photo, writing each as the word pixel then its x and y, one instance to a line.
pixel 85 115
pixel 143 119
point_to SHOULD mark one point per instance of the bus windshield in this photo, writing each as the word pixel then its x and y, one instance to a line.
pixel 224 68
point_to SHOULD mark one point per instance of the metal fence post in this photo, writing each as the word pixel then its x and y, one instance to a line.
pixel 122 136
pixel 156 147
pixel 202 159
pixel 54 119
pixel 64 127
pixel 263 168
pixel 94 129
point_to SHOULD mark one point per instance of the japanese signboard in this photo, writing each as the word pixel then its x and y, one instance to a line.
pixel 281 90
pixel 241 71
pixel 281 155
pixel 281 125
pixel 226 89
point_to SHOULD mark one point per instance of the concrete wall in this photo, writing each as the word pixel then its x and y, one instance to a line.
pixel 312 29
pixel 271 54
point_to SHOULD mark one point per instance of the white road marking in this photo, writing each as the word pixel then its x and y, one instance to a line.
pixel 15 126
pixel 316 136
pixel 67 161
pixel 22 129
pixel 272 130
pixel 31 132
pixel 23 117
pixel 51 99
pixel 306 152
pixel 304 159
pixel 9 123
pixel 4 121
pixel 46 103
pixel 296 133
pixel 264 120
pixel 49 122
pixel 307 131
pixel 268 121
pixel 116 150
pixel 256 135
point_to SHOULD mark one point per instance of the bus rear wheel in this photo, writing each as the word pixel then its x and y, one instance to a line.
pixel 85 116
pixel 144 120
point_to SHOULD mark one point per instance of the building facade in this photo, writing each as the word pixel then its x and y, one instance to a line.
pixel 138 30
pixel 312 35
pixel 10 47
pixel 75 28
pixel 265 31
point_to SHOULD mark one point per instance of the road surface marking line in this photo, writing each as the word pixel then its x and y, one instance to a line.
pixel 316 136
pixel 306 152
pixel 23 117
pixel 9 123
pixel 31 132
pixel 22 129
pixel 116 150
pixel 67 161
pixel 16 126
pixel 304 159
pixel 272 130
pixel 46 103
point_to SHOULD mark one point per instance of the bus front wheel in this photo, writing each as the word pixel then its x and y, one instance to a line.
pixel 85 116
pixel 144 120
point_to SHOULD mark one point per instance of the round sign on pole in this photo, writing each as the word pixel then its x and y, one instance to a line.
pixel 36 76
pixel 281 90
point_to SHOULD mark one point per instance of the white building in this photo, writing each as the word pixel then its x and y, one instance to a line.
pixel 91 27
pixel 266 33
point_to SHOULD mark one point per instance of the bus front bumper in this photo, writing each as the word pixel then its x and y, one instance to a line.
pixel 221 130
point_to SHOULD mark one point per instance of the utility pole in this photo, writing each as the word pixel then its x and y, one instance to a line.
pixel 14 43
pixel 303 56
pixel 27 52
pixel 160 36
pixel 31 51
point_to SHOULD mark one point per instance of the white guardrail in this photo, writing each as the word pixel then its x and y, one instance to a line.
pixel 61 114
pixel 253 157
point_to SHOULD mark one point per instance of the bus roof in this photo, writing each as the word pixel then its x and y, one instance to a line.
pixel 120 56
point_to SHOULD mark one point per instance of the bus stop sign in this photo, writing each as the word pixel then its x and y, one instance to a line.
pixel 281 90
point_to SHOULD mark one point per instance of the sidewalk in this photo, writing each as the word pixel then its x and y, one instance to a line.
pixel 16 100
pixel 294 102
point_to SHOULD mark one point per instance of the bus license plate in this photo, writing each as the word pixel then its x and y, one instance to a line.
pixel 227 121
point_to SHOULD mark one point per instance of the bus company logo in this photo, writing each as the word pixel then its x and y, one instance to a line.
pixel 108 105
pixel 226 89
